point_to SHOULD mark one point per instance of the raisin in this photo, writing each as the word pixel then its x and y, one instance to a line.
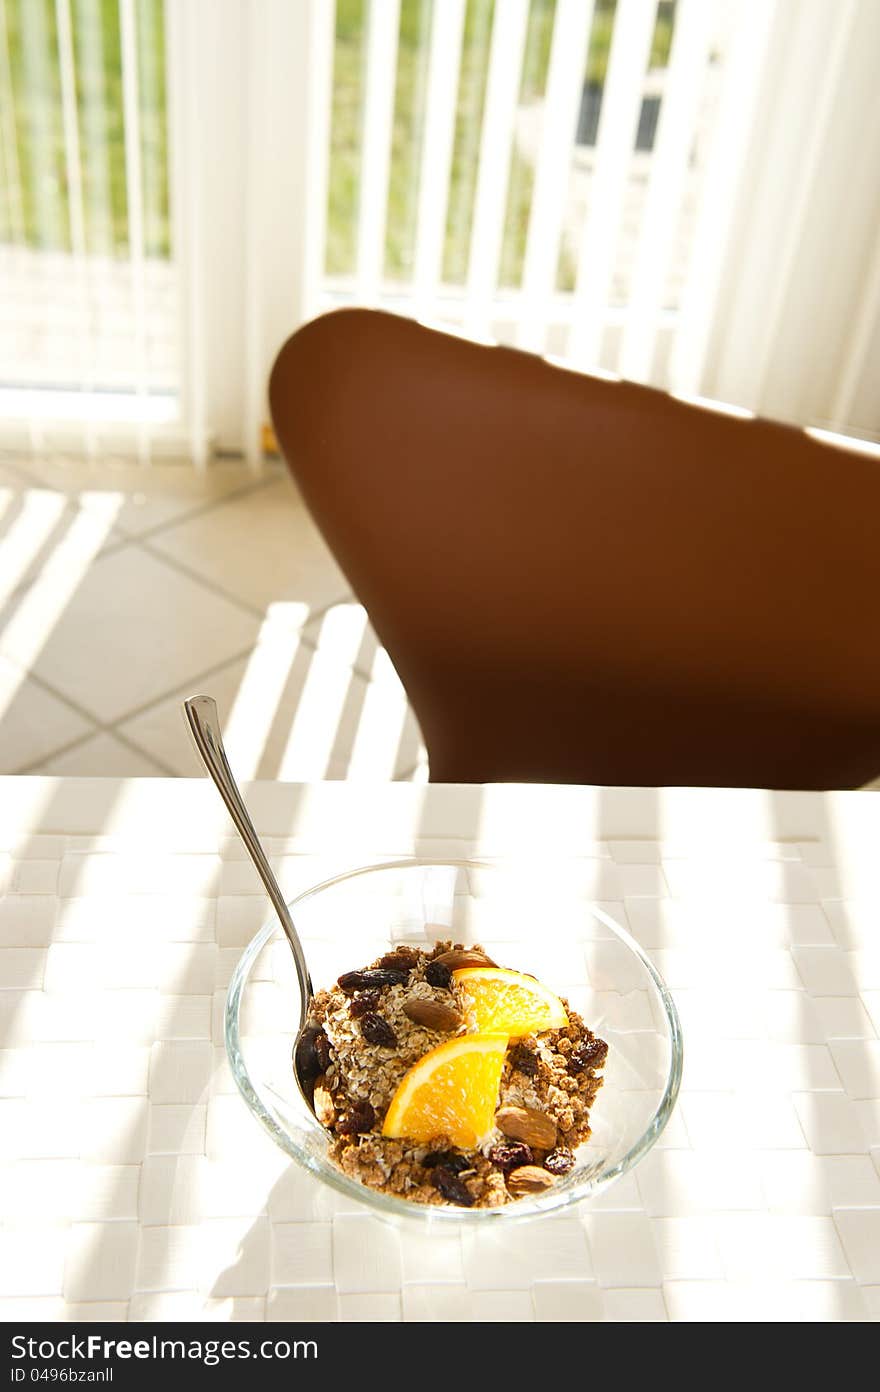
pixel 401 959
pixel 305 1058
pixel 322 1051
pixel 363 1003
pixel 378 1031
pixel 525 1061
pixel 438 974
pixel 510 1155
pixel 447 1159
pixel 359 1117
pixel 590 1053
pixel 451 1187
pixel 350 982
pixel 559 1161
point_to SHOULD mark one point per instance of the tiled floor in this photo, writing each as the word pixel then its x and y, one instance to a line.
pixel 124 589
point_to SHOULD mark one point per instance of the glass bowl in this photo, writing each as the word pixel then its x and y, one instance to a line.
pixel 533 918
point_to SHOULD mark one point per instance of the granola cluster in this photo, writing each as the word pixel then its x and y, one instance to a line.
pixel 370 1029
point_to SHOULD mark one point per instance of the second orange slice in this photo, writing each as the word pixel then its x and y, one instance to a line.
pixel 506 1002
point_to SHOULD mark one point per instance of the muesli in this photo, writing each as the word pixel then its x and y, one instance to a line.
pixel 445 1079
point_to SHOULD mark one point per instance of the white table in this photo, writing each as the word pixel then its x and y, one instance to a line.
pixel 134 1184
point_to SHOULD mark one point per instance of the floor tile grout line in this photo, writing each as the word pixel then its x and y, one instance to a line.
pixel 145 754
pixel 215 670
pixel 206 675
pixel 303 641
pixel 235 495
pixel 27 473
pixel 33 571
pixel 35 768
pixel 119 541
pixel 164 769
pixel 143 541
pixel 314 615
pixel 219 593
pixel 272 469
pixel 118 538
pixel 37 563
pixel 16 468
pixel 100 726
pixel 111 727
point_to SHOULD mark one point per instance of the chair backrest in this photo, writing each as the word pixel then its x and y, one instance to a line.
pixel 588 581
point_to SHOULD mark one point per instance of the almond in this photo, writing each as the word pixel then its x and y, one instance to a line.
pixel 464 957
pixel 523 1124
pixel 432 1014
pixel 528 1179
pixel 322 1101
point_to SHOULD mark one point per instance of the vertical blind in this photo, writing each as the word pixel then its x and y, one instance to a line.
pixel 89 327
pixel 682 192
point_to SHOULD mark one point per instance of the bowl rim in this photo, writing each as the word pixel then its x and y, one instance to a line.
pixel 388 1205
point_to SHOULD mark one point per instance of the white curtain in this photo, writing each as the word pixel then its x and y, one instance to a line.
pixel 686 194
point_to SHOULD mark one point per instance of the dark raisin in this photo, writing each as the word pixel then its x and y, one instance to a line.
pixel 372 977
pixel 350 982
pixel 510 1155
pixel 559 1161
pixel 525 1061
pixel 385 976
pixel 363 1003
pixel 448 1159
pixel 378 1031
pixel 305 1057
pixel 451 1187
pixel 322 1049
pixel 590 1053
pixel 438 974
pixel 359 1117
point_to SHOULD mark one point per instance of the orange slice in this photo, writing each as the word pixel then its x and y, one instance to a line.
pixel 506 1002
pixel 452 1091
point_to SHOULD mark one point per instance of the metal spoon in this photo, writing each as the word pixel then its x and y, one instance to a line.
pixel 203 722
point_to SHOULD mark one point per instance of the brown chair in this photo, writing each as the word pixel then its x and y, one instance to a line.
pixel 587 581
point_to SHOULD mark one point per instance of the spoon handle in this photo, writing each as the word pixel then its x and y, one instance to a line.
pixel 203 721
